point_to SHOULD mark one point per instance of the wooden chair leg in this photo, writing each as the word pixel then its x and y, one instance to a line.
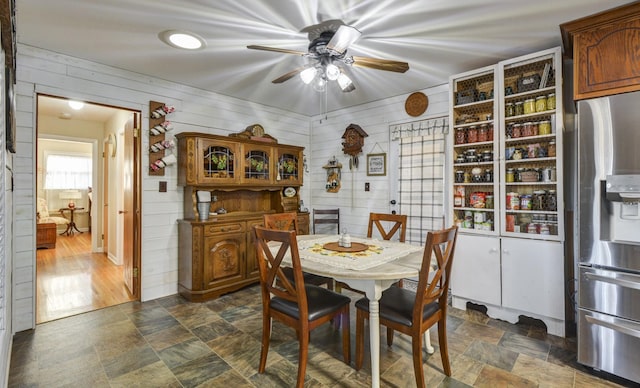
pixel 266 334
pixel 346 340
pixel 444 348
pixel 302 360
pixel 389 336
pixel 330 285
pixel 416 345
pixel 360 317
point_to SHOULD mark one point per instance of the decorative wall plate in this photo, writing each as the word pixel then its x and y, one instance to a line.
pixel 289 192
pixel 416 104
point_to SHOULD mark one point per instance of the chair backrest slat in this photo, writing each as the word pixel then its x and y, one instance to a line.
pixel 272 279
pixel 328 216
pixel 441 246
pixel 398 222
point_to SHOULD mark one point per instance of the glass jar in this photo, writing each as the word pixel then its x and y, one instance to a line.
pixel 544 127
pixel 541 103
pixel 538 200
pixel 460 136
pixel 509 109
pixel 551 101
pixel 516 130
pixel 527 129
pixel 518 174
pixel 552 201
pixel 532 228
pixel 510 176
pixel 551 150
pixel 459 176
pixel 490 132
pixel 488 201
pixel 518 108
pixel 488 175
pixel 472 134
pixel 483 133
pixel 529 106
pixel 544 229
pixel 525 202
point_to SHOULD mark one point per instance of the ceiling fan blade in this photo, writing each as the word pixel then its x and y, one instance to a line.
pixel 288 75
pixel 381 64
pixel 278 50
pixel 343 38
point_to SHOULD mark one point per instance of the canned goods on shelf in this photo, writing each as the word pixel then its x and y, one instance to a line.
pixel 551 150
pixel 519 108
pixel 510 177
pixel 516 130
pixel 513 201
pixel 483 133
pixel 472 134
pixel 525 202
pixel 460 136
pixel 509 109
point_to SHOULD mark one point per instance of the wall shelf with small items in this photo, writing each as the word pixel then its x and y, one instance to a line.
pixel 159 143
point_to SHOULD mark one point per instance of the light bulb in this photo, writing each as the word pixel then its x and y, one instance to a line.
pixel 76 105
pixel 319 84
pixel 307 75
pixel 332 72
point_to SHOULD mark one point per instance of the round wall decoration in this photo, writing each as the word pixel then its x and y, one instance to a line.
pixel 416 104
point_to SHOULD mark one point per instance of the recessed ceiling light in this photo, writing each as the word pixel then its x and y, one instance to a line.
pixel 182 39
pixel 76 105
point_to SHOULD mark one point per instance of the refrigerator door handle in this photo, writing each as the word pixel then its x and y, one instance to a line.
pixel 622 329
pixel 622 280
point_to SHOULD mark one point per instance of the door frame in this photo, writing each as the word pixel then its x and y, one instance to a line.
pixel 137 178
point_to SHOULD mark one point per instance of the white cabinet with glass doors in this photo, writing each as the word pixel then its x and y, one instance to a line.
pixel 510 201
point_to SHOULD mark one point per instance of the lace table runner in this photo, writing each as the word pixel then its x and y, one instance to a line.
pixel 379 252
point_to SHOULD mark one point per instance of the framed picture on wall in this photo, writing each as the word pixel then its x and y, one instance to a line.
pixel 376 164
pixel 10 110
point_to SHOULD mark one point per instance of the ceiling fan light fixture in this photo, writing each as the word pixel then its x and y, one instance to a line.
pixel 182 39
pixel 345 83
pixel 307 75
pixel 333 72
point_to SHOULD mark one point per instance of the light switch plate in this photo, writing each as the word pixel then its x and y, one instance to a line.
pixel 366 186
pixel 162 186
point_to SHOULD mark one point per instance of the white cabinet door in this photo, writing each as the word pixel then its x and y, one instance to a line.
pixel 476 269
pixel 533 276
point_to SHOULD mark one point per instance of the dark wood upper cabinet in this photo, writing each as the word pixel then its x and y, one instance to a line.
pixel 605 48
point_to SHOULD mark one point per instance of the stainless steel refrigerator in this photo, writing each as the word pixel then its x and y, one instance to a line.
pixel 608 238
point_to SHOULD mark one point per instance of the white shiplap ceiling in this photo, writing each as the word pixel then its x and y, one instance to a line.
pixel 437 38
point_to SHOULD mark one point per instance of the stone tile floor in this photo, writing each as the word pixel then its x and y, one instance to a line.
pixel 171 342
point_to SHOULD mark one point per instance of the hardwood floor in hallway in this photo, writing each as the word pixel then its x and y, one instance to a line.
pixel 72 280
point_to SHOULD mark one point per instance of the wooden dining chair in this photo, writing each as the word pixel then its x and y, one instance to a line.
pixel 289 221
pixel 302 308
pixel 327 216
pixel 413 313
pixel 388 225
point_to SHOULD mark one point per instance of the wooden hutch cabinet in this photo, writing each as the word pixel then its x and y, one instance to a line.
pixel 246 179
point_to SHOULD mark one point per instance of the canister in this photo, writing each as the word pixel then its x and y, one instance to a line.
pixel 529 106
pixel 539 200
pixel 489 201
pixel 551 150
pixel 544 127
pixel 488 175
pixel 459 176
pixel 525 202
pixel 483 133
pixel 551 101
pixel 518 108
pixel 509 109
pixel 541 103
pixel 472 134
pixel 479 217
pixel 510 177
pixel 460 136
pixel 552 201
pixel 516 130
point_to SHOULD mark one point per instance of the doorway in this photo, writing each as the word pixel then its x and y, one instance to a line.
pixel 87 265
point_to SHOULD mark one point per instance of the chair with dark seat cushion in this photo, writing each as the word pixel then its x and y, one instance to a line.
pixel 289 221
pixel 412 313
pixel 327 216
pixel 302 308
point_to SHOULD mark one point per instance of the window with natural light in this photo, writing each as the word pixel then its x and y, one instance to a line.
pixel 67 172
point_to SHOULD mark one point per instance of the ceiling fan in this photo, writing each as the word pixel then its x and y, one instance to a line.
pixel 327 53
